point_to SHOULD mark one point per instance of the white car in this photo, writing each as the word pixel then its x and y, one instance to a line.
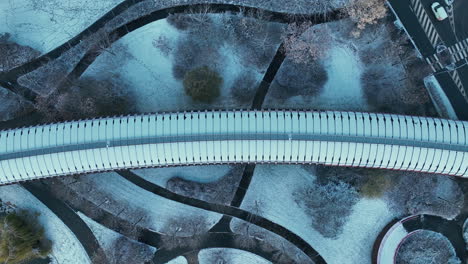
pixel 439 11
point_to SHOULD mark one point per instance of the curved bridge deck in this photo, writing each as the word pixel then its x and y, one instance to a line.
pixel 216 137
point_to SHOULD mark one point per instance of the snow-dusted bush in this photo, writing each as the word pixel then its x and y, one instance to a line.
pixel 417 193
pixel 12 105
pixel 303 42
pixel 124 250
pixel 255 37
pixel 220 191
pixel 424 247
pixel 184 232
pixel 244 87
pixel 191 52
pixel 87 98
pixel 371 183
pixel 387 94
pixel 299 79
pixel 14 54
pixel 203 84
pixel 163 44
pixel 328 205
pixel 188 21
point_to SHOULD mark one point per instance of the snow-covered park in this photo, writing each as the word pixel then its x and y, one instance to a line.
pixel 154 68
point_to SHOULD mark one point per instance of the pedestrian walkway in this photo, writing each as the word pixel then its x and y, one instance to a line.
pixel 425 22
pixel 459 51
pixel 434 62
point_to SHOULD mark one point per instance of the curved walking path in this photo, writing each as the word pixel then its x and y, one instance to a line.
pixel 388 246
pixel 217 240
pixel 257 220
pixel 271 16
pixel 9 79
pixel 154 238
pixel 69 217
pixel 225 137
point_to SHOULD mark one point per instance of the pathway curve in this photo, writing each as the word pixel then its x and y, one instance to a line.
pixel 69 217
pixel 387 243
pixel 217 240
pixel 9 79
pixel 227 210
pixel 156 239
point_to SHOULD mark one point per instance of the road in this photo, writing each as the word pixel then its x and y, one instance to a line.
pixel 426 32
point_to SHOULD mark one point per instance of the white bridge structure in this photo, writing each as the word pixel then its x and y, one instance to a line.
pixel 223 137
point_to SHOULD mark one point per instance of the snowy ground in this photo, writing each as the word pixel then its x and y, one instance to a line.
pixel 45 24
pixel 273 187
pixel 390 243
pixel 178 260
pixel 132 202
pixel 202 174
pixel 343 89
pixel 227 255
pixel 107 238
pixel 148 70
pixel 65 246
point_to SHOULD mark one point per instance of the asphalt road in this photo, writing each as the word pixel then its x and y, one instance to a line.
pixel 443 28
pixel 461 18
pixel 422 36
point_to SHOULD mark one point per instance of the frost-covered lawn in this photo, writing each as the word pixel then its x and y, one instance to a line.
pixel 45 24
pixel 65 246
pixel 228 255
pixel 202 174
pixel 129 201
pixel 116 245
pixel 342 90
pixel 144 60
pixel 178 260
pixel 273 188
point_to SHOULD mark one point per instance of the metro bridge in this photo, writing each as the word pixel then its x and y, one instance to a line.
pixel 351 139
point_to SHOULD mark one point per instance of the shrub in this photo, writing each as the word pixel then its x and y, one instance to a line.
pixel 328 205
pixel 203 84
pixel 21 240
pixel 418 193
pixel 244 87
pixel 295 79
pixel 377 183
pixel 426 247
pixel 87 98
pixel 192 52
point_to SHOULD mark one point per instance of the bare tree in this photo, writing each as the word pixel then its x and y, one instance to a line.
pixel 163 44
pixel 365 12
pixel 328 205
pixel 184 232
pixel 418 193
pixel 303 42
pixel 426 247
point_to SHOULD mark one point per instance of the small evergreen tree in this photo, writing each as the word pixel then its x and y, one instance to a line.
pixel 203 84
pixel 21 240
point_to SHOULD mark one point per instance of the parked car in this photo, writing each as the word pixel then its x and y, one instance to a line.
pixel 439 11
